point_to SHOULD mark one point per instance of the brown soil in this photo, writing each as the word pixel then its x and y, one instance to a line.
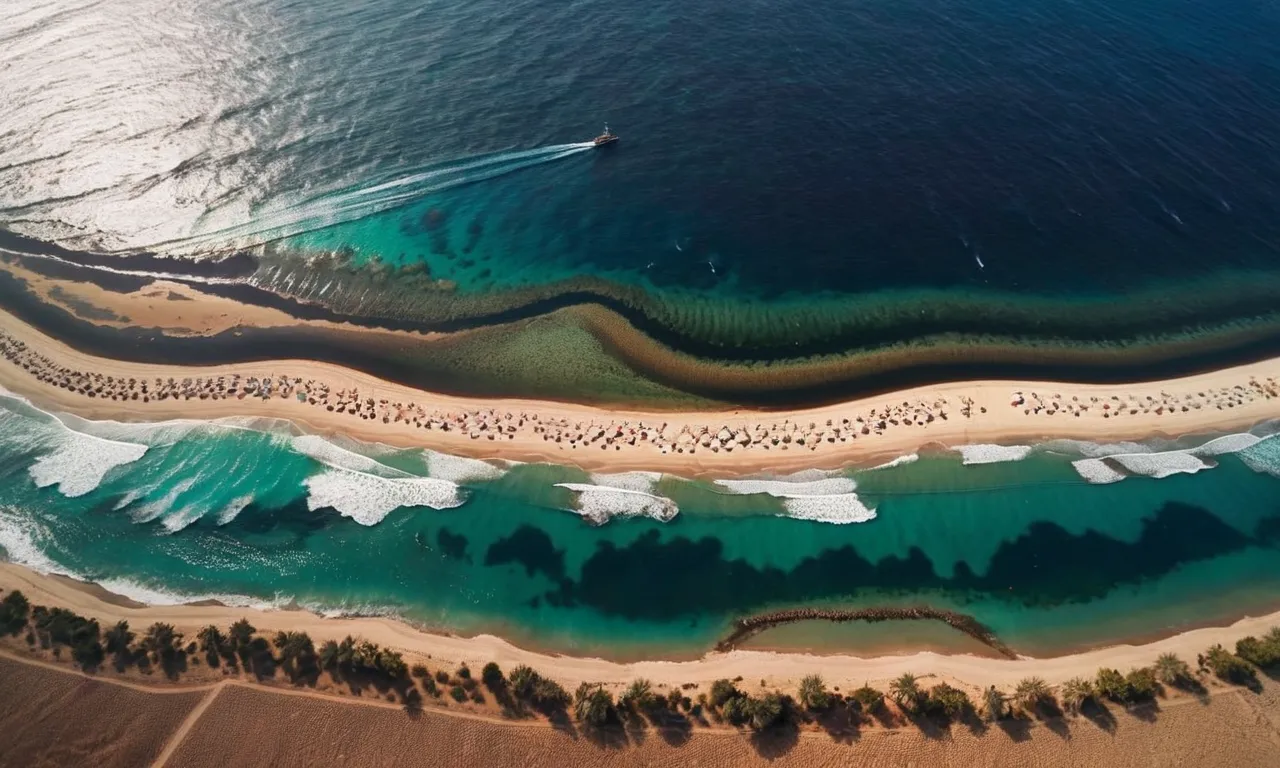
pixel 51 718
pixel 55 716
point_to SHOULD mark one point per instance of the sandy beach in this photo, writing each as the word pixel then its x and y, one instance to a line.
pixel 325 398
pixel 775 669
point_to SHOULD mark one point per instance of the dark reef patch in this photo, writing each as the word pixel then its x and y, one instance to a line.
pixel 454 545
pixel 664 579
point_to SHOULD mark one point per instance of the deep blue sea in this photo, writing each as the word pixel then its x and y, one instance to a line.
pixel 767 149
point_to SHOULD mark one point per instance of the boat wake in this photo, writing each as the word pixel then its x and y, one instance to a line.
pixel 341 206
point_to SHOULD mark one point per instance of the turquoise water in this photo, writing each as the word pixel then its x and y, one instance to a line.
pixel 258 513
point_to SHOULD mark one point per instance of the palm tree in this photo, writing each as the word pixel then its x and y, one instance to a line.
pixel 328 656
pixel 347 654
pixel 1030 692
pixel 592 704
pixel 1172 670
pixel 993 704
pixel 213 643
pixel 1075 692
pixel 241 633
pixel 905 690
pixel 523 679
pixel 119 638
pixel 297 653
pixel 813 693
pixel 638 695
pixel 162 641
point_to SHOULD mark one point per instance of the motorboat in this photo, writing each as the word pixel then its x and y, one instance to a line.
pixel 605 138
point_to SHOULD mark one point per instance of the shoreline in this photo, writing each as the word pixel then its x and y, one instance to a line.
pixel 776 669
pixel 327 399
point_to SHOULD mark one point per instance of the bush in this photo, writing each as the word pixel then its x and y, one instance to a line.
pixel 1263 653
pixel 947 701
pixel 492 677
pixel 458 693
pixel 994 704
pixel 1111 684
pixel 640 695
pixel 59 626
pixel 736 710
pixel 14 611
pixel 429 685
pixel 1228 666
pixel 442 677
pixel 1075 692
pixel 1141 684
pixel 868 698
pixel 1172 670
pixel 722 691
pixel 419 670
pixel 477 697
pixel 766 711
pixel 813 694
pixel 546 695
pixel 592 704
pixel 464 672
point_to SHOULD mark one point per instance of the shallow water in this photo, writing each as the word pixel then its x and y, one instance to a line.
pixel 233 511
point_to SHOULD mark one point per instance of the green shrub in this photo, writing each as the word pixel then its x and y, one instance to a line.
pixel 492 677
pixel 868 698
pixel 419 670
pixel 458 693
pixel 1227 666
pixel 947 701
pixel 721 692
pixel 1111 684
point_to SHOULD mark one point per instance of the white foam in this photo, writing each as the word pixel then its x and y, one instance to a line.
pixel 837 508
pixel 787 488
pixel 160 596
pixel 1161 464
pixel 1227 444
pixel 985 453
pixel 643 482
pixel 1263 457
pixel 19 538
pixel 457 469
pixel 367 498
pixel 600 504
pixel 910 458
pixel 332 455
pixel 154 509
pixel 233 508
pixel 81 461
pixel 1158 464
pixel 1098 471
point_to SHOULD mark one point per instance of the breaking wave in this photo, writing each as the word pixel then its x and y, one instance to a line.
pixel 813 495
pixel 1112 463
pixel 627 494
pixel 368 498
pixel 460 470
pixel 984 453
pixel 81 461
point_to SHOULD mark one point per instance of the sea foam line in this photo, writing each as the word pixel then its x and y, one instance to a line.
pixel 626 494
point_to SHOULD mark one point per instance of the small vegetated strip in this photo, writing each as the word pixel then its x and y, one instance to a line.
pixel 746 627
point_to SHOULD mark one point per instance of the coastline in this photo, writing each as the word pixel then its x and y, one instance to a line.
pixel 775 669
pixel 690 443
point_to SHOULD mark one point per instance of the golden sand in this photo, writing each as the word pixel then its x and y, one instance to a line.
pixel 327 398
pixel 778 670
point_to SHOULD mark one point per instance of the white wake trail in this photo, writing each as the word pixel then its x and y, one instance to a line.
pixel 333 208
